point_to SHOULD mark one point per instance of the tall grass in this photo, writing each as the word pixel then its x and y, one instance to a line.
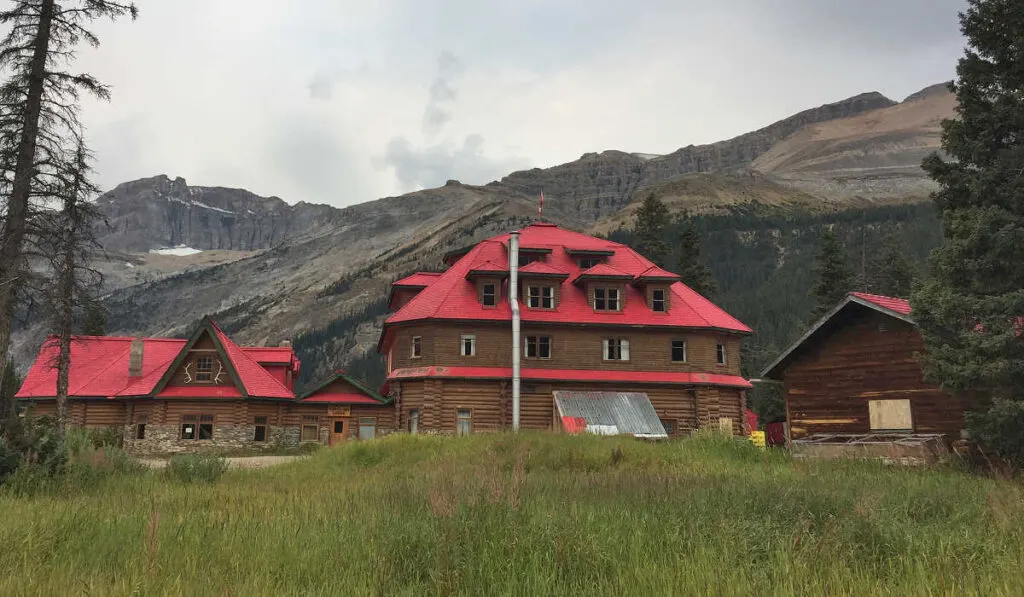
pixel 533 514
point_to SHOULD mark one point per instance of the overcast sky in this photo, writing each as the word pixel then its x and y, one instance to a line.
pixel 345 101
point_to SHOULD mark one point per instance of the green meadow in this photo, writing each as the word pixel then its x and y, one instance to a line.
pixel 527 514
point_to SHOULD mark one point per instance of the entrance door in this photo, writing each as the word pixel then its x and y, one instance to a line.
pixel 339 431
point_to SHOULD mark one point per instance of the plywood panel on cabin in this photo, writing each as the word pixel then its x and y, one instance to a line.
pixel 890 415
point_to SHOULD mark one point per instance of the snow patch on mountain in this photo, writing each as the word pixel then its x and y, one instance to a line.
pixel 179 251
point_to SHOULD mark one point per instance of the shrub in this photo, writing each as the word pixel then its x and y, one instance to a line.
pixel 37 442
pixel 9 459
pixel 998 431
pixel 189 468
pixel 103 437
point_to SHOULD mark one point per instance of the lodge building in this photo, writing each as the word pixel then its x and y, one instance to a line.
pixel 597 319
pixel 172 395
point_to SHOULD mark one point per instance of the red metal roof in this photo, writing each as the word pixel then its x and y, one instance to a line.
pixel 99 368
pixel 898 305
pixel 451 297
pixel 199 392
pixel 419 279
pixel 657 273
pixel 681 377
pixel 271 354
pixel 603 270
pixel 539 268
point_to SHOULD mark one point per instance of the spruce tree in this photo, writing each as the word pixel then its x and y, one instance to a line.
pixel 9 384
pixel 693 272
pixel 649 230
pixel 95 321
pixel 833 273
pixel 39 127
pixel 891 271
pixel 969 307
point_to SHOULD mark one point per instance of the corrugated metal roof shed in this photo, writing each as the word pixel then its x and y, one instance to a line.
pixel 609 413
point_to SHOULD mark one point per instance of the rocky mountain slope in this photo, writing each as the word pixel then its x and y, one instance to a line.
pixel 313 272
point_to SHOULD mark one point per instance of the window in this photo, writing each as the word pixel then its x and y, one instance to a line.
pixel 339 427
pixel 679 351
pixel 589 262
pixel 310 429
pixel 468 345
pixel 260 434
pixel 616 349
pixel 188 426
pixel 606 299
pixel 658 302
pixel 417 347
pixel 414 421
pixel 204 369
pixel 720 353
pixel 670 426
pixel 890 415
pixel 140 427
pixel 541 297
pixel 538 347
pixel 490 295
pixel 463 422
pixel 367 427
pixel 205 426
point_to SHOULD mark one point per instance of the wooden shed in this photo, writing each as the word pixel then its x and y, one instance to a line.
pixel 856 371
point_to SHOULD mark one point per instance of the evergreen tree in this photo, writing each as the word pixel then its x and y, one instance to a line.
pixel 649 230
pixel 833 273
pixel 891 271
pixel 95 321
pixel 39 127
pixel 9 384
pixel 970 305
pixel 691 269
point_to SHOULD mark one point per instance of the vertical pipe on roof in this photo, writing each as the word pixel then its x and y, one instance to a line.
pixel 513 299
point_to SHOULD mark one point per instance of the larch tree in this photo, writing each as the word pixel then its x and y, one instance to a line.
pixel 649 230
pixel 39 126
pixel 691 269
pixel 970 305
pixel 891 272
pixel 834 276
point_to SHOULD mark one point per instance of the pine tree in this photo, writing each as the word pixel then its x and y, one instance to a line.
pixel 95 321
pixel 649 230
pixel 39 128
pixel 970 305
pixel 891 271
pixel 693 272
pixel 833 273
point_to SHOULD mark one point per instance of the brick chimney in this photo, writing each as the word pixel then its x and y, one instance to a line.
pixel 135 358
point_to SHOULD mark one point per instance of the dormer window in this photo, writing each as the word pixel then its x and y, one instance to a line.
pixel 606 299
pixel 489 295
pixel 540 297
pixel 526 258
pixel 658 301
pixel 589 262
pixel 417 347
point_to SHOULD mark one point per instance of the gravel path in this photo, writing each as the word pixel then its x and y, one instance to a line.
pixel 235 462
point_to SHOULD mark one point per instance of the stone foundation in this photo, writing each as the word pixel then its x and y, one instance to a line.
pixel 166 439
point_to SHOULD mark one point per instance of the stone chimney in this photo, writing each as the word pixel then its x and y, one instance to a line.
pixel 135 358
pixel 285 344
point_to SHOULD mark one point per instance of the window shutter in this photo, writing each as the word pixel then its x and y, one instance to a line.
pixel 604 349
pixel 625 349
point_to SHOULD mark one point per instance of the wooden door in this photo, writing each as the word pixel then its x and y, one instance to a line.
pixel 339 430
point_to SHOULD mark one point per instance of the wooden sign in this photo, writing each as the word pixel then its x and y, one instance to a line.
pixel 339 411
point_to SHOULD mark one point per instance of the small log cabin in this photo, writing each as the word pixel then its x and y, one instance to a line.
pixel 596 317
pixel 204 393
pixel 856 372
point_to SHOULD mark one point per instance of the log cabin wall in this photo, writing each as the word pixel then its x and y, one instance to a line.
pixel 866 356
pixel 572 348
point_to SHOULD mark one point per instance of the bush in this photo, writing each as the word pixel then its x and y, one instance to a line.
pixel 196 467
pixel 998 431
pixel 9 459
pixel 37 442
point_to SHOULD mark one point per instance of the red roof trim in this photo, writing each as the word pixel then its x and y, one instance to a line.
pixel 898 305
pixel 341 398
pixel 583 375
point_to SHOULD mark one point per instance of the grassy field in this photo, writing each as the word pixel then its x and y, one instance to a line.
pixel 534 514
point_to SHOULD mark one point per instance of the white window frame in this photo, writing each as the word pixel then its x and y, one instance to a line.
pixel 721 353
pixel 611 295
pixel 416 347
pixel 537 296
pixel 623 348
pixel 672 349
pixel 537 345
pixel 663 300
pixel 472 345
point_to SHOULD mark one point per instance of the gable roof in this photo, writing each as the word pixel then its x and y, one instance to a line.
pixel 887 305
pixel 99 368
pixel 417 280
pixel 541 269
pixel 656 274
pixel 451 297
pixel 319 393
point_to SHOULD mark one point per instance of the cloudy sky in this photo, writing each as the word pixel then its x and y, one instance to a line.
pixel 345 101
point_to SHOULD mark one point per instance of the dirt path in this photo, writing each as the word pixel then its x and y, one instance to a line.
pixel 235 462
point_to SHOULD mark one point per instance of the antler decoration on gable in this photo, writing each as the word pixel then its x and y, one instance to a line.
pixel 220 371
pixel 188 376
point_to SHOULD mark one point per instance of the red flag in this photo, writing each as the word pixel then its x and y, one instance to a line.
pixel 540 208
